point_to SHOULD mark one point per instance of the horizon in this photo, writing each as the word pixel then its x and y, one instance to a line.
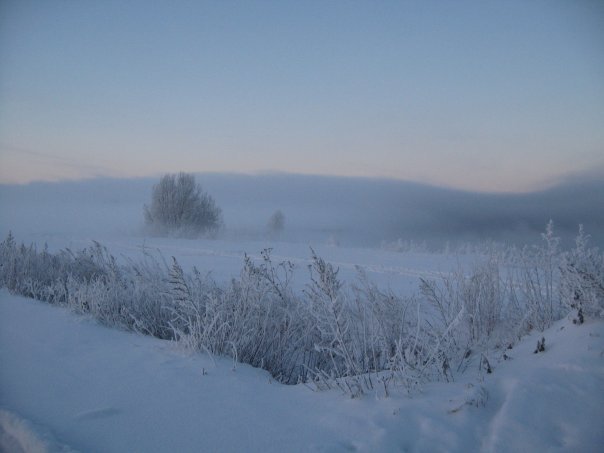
pixel 361 211
pixel 585 177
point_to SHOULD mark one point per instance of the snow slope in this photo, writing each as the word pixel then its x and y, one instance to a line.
pixel 68 383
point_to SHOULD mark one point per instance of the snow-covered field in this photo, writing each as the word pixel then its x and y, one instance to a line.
pixel 68 383
pixel 111 212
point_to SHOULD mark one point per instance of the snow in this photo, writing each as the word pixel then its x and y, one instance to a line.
pixel 21 436
pixel 224 258
pixel 93 388
pixel 70 384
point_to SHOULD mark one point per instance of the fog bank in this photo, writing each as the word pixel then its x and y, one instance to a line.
pixel 352 211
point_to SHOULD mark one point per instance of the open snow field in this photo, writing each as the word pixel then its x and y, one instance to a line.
pixel 70 384
pixel 111 212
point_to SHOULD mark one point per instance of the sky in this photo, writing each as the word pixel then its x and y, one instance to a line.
pixel 503 96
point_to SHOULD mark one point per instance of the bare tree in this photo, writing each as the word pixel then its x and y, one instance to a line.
pixel 276 223
pixel 180 206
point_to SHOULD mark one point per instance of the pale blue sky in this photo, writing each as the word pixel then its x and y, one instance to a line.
pixel 498 96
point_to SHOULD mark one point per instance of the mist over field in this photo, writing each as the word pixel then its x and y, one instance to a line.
pixel 248 340
pixel 301 226
pixel 352 211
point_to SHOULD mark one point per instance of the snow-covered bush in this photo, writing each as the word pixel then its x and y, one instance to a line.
pixel 582 278
pixel 534 281
pixel 365 339
pixel 180 207
pixel 469 310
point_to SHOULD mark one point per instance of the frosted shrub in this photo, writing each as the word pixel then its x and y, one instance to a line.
pixel 390 335
pixel 582 278
pixel 469 311
pixel 255 318
pixel 331 324
pixel 535 282
pixel 365 340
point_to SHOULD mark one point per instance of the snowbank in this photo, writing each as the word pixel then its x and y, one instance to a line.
pixel 99 389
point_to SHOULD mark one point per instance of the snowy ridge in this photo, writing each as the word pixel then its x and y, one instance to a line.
pixel 100 389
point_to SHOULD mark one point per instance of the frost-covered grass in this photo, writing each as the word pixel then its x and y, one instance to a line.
pixel 355 336
pixel 67 383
